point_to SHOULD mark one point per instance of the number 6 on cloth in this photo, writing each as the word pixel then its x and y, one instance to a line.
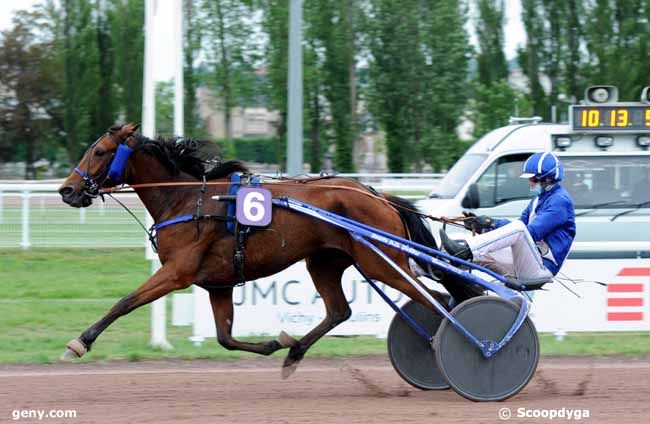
pixel 254 206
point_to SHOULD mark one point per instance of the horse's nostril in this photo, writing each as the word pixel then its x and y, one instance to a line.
pixel 66 191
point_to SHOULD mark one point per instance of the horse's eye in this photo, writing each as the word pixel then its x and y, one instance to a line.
pixel 99 153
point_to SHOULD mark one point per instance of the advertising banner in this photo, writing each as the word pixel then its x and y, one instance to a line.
pixel 288 301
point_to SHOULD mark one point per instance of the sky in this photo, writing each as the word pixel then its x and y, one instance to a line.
pixel 163 66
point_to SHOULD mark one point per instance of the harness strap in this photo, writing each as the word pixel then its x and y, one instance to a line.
pixel 239 254
pixel 91 188
pixel 153 231
pixel 81 172
pixel 199 203
pixel 172 221
pixel 239 231
pixel 235 183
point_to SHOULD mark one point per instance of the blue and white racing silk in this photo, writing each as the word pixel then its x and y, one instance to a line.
pixel 550 220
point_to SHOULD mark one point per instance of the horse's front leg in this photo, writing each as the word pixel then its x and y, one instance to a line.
pixel 222 309
pixel 165 280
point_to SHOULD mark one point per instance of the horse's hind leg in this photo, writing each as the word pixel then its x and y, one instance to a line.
pixel 222 309
pixel 326 269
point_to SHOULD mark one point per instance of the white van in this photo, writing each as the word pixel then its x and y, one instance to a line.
pixel 605 151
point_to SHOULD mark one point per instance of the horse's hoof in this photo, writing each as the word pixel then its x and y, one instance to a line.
pixel 69 355
pixel 286 340
pixel 75 350
pixel 287 370
pixel 291 363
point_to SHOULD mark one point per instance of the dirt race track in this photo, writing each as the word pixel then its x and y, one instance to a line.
pixel 359 390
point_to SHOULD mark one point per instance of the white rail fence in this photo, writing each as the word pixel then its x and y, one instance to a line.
pixel 32 213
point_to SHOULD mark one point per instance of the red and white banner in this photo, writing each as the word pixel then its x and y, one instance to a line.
pixel 626 296
pixel 620 306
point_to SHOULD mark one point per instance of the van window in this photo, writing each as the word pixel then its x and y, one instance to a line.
pixel 620 180
pixel 500 183
pixel 458 176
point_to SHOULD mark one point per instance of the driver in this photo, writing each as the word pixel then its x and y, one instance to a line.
pixel 539 240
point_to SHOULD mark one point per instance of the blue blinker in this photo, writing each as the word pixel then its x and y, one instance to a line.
pixel 119 162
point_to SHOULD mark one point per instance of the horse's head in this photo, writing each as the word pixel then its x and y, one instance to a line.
pixel 103 165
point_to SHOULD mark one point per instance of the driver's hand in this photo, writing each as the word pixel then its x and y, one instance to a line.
pixel 482 223
pixel 469 220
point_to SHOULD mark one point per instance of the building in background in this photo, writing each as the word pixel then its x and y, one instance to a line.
pixel 248 121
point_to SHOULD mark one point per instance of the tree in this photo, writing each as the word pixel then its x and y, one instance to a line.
pixel 69 75
pixel 126 19
pixel 530 56
pixel 574 44
pixel 394 73
pixel 558 49
pixel 573 60
pixel 494 100
pixel 617 37
pixel 314 88
pixel 105 112
pixel 448 54
pixel 418 79
pixel 336 33
pixel 231 47
pixel 492 65
pixel 28 76
pixel 81 77
pixel 276 26
pixel 165 108
pixel 493 106
pixel 192 26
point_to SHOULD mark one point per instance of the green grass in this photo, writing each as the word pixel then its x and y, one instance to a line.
pixel 49 296
pixel 597 344
pixel 65 226
pixel 71 273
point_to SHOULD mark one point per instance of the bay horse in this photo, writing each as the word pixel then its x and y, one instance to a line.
pixel 203 255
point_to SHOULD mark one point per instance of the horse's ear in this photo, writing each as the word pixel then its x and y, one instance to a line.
pixel 130 128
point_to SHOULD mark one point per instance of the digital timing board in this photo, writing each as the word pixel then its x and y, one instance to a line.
pixel 610 118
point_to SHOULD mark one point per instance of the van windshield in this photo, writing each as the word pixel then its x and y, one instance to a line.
pixel 458 176
pixel 607 181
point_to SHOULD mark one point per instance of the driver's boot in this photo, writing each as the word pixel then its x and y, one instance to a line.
pixel 457 248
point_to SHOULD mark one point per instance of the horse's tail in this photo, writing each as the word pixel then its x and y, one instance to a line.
pixel 419 231
pixel 417 228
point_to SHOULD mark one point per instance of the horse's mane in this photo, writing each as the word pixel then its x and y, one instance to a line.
pixel 195 157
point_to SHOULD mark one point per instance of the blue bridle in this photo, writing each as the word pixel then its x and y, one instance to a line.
pixel 115 171
pixel 118 165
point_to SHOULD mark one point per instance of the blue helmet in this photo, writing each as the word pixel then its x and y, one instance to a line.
pixel 543 165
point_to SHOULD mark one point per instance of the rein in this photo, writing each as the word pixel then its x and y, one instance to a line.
pixel 457 221
pixel 117 166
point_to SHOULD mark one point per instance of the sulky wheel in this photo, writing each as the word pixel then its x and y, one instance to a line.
pixel 468 372
pixel 411 355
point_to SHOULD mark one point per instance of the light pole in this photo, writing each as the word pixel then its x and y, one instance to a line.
pixel 294 82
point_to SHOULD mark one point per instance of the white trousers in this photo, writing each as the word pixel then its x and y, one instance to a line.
pixel 509 251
